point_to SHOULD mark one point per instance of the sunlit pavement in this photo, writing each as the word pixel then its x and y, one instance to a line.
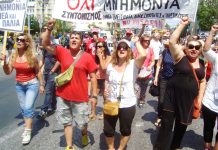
pixel 49 135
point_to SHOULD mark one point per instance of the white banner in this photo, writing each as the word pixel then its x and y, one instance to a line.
pixel 136 23
pixel 98 10
pixel 12 15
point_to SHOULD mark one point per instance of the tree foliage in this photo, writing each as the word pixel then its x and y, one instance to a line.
pixel 207 13
pixel 34 25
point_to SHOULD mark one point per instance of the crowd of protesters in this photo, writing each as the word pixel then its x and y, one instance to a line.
pixel 123 76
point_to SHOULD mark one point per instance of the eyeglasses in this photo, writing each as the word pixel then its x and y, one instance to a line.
pixel 21 40
pixel 124 48
pixel 147 41
pixel 99 46
pixel 215 49
pixel 197 47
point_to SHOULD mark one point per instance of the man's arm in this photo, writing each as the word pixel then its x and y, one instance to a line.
pixel 46 40
pixel 93 84
pixel 55 67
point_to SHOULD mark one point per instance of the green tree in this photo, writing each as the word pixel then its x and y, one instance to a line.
pixel 34 25
pixel 207 13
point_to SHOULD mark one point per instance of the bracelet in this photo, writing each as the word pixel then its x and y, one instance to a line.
pixel 95 97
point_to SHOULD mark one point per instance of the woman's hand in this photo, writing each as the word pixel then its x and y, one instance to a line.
pixel 100 54
pixel 3 58
pixel 214 28
pixel 156 81
pixel 185 20
pixel 41 89
pixel 135 39
pixel 51 24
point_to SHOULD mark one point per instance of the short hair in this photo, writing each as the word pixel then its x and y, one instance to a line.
pixel 77 33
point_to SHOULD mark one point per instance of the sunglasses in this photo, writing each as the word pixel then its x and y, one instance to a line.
pixel 21 40
pixel 197 47
pixel 147 41
pixel 100 46
pixel 124 48
pixel 215 49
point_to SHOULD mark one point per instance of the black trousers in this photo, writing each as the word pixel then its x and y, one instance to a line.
pixel 162 89
pixel 163 138
pixel 209 124
pixel 125 116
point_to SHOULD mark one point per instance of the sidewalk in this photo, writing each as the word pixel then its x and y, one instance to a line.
pixel 49 135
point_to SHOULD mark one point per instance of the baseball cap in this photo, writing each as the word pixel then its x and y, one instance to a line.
pixel 124 41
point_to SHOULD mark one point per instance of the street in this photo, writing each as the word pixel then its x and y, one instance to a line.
pixel 49 135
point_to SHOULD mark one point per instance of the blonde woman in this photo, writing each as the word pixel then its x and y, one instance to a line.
pixel 28 80
pixel 122 69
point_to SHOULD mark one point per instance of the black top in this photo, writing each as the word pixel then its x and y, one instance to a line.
pixel 182 89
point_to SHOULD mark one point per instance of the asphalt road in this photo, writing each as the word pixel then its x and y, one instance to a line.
pixel 49 135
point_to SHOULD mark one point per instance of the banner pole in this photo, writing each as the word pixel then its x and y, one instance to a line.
pixel 3 52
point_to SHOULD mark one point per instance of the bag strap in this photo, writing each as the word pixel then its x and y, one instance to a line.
pixel 195 75
pixel 79 54
pixel 121 82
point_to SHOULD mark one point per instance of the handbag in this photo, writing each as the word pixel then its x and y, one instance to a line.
pixel 154 90
pixel 143 73
pixel 196 109
pixel 112 108
pixel 67 75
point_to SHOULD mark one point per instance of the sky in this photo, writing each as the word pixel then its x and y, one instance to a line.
pixel 172 22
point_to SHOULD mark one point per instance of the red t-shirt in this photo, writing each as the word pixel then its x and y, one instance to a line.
pixel 91 47
pixel 77 89
pixel 24 72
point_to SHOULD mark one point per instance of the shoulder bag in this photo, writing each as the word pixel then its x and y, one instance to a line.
pixel 196 111
pixel 67 75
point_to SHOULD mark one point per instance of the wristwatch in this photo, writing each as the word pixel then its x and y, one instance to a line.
pixel 95 97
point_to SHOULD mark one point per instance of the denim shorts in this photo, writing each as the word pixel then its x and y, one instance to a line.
pixel 69 112
pixel 27 93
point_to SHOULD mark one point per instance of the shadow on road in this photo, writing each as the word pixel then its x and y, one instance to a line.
pixel 103 144
pixel 77 138
pixel 38 125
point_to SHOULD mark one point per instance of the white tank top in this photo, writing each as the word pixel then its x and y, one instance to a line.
pixel 128 97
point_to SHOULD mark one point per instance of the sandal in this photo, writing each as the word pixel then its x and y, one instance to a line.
pixel 158 122
pixel 101 116
pixel 141 103
pixel 92 117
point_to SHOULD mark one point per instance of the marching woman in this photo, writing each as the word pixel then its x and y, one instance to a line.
pixel 121 76
pixel 210 105
pixel 29 80
pixel 182 89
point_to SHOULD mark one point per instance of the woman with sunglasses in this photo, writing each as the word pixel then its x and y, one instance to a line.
pixel 182 89
pixel 209 103
pixel 29 80
pixel 102 59
pixel 121 76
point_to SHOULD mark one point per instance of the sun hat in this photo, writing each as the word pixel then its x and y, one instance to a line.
pixel 124 41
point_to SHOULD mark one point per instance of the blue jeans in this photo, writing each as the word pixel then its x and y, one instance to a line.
pixel 27 94
pixel 50 97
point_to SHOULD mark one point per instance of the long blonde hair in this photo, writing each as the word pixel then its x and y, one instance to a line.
pixel 115 58
pixel 29 51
